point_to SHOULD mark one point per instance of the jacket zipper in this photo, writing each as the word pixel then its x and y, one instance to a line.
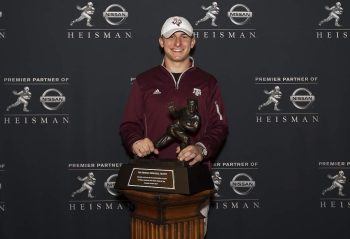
pixel 178 82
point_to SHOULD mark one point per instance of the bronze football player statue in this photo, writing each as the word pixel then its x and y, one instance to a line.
pixel 187 119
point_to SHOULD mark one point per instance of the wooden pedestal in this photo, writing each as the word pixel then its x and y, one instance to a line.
pixel 167 216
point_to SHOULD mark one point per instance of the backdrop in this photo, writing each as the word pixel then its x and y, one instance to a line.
pixel 284 74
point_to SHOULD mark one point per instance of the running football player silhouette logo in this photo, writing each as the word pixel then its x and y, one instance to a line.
pixel 335 12
pixel 87 12
pixel 274 95
pixel 212 10
pixel 338 181
pixel 88 182
pixel 23 98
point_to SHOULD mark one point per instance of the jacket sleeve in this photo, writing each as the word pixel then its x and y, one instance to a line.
pixel 132 125
pixel 217 127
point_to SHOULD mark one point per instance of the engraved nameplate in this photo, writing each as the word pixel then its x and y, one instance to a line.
pixel 152 178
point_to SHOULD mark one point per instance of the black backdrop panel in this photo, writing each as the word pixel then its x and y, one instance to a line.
pixel 292 160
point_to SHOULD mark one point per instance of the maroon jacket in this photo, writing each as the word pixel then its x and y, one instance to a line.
pixel 146 113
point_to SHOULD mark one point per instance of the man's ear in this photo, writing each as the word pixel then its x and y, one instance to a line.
pixel 193 42
pixel 161 42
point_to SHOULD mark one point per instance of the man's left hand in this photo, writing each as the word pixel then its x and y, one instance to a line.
pixel 191 152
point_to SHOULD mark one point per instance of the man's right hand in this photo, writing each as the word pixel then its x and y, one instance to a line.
pixel 144 147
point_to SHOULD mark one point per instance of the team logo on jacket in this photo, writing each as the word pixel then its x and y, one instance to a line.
pixel 197 92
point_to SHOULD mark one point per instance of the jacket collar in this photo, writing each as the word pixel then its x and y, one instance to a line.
pixel 191 60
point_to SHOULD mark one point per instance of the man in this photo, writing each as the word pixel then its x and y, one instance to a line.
pixel 176 80
pixel 146 116
pixel 335 11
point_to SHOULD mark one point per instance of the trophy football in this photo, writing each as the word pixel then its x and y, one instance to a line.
pixel 171 175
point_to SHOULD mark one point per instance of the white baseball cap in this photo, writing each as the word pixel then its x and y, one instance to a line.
pixel 176 24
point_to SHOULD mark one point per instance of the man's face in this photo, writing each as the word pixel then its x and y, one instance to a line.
pixel 177 47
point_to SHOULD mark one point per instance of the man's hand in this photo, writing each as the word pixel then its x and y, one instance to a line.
pixel 191 152
pixel 144 147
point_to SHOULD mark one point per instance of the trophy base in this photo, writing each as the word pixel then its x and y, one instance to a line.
pixel 168 176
